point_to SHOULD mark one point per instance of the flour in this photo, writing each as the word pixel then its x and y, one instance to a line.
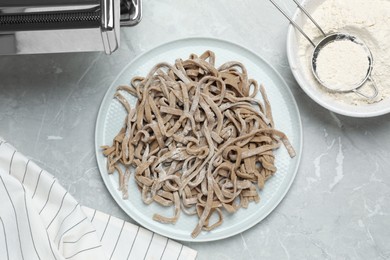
pixel 342 64
pixel 369 21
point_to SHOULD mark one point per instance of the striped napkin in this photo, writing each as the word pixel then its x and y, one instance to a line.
pixel 39 219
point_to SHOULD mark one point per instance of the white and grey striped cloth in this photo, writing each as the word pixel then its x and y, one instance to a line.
pixel 39 219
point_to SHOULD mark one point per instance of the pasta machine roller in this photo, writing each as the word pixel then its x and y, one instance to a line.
pixel 55 26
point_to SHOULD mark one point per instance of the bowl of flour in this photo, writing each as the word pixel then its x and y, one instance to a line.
pixel 367 20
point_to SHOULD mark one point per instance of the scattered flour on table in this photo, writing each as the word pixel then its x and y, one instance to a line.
pixel 369 21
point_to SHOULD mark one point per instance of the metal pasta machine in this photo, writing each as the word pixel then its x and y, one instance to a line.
pixel 55 26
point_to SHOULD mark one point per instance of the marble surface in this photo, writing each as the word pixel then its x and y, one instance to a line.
pixel 338 206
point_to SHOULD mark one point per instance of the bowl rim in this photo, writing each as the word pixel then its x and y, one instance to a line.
pixel 315 94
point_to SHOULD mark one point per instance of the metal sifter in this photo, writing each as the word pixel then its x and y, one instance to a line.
pixel 330 39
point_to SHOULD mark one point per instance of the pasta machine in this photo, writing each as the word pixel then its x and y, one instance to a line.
pixel 55 26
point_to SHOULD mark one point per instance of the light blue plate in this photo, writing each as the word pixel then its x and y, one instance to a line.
pixel 287 119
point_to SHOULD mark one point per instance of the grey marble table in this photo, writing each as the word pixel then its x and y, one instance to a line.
pixel 339 204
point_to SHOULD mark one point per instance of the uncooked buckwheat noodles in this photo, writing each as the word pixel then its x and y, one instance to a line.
pixel 197 138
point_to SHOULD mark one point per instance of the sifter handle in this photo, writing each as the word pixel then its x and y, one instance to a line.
pixel 295 24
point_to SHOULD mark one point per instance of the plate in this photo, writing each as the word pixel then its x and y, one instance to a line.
pixel 287 119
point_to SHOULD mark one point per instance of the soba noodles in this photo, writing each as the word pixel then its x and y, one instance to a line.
pixel 198 139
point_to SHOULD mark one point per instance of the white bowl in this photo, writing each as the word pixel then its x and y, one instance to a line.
pixel 308 83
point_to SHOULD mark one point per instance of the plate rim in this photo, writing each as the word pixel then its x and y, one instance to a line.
pixel 298 156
